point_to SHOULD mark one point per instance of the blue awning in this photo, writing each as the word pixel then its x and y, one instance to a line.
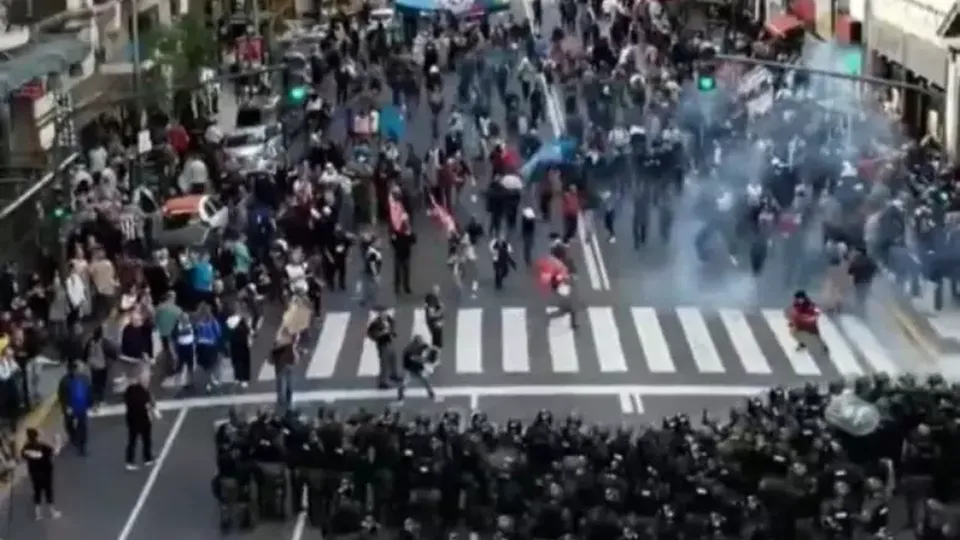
pixel 49 54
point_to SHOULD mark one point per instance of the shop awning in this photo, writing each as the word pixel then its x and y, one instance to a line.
pixel 40 58
pixel 781 25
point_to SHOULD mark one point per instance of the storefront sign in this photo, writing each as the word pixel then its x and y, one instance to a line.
pixel 925 58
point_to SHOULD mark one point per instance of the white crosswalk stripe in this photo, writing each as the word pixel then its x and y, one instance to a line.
pixel 509 342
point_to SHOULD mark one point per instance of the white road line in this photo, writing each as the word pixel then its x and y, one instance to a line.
pixel 801 361
pixel 841 354
pixel 563 348
pixel 267 371
pixel 420 327
pixel 592 273
pixel 652 341
pixel 301 524
pixel 744 342
pixel 626 403
pixel 469 341
pixel 154 474
pixel 606 337
pixel 704 352
pixel 369 359
pixel 535 390
pixel 870 347
pixel 323 360
pixel 516 355
pixel 637 403
pixel 601 266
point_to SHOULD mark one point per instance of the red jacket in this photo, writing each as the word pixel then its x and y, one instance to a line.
pixel 803 318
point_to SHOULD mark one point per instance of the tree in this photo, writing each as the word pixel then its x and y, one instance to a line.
pixel 181 51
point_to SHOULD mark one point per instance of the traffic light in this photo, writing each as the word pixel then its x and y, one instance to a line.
pixel 706 83
pixel 60 212
pixel 297 94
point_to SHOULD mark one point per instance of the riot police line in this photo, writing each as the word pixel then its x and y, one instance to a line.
pixel 807 462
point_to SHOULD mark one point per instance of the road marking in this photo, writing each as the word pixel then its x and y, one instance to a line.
pixel 652 341
pixel 267 371
pixel 369 359
pixel 637 404
pixel 563 348
pixel 744 341
pixel 840 352
pixel 469 340
pixel 420 327
pixel 585 247
pixel 323 360
pixel 704 352
pixel 626 403
pixel 607 339
pixel 516 351
pixel 301 524
pixel 154 474
pixel 366 394
pixel 871 349
pixel 601 266
pixel 801 361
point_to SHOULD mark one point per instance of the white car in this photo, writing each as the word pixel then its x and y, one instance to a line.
pixel 255 148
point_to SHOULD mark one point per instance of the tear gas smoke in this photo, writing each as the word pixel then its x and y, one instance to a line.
pixel 811 118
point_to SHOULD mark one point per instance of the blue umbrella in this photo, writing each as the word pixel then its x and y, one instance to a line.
pixel 557 152
pixel 392 123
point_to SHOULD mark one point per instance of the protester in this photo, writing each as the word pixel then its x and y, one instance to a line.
pixel 140 412
pixel 76 396
pixel 39 457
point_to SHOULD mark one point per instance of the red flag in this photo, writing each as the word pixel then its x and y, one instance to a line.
pixel 550 270
pixel 443 217
pixel 398 215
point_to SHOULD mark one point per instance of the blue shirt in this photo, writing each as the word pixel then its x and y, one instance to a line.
pixel 79 395
pixel 201 276
pixel 208 332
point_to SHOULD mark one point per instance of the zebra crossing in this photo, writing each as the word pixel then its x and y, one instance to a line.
pixel 507 342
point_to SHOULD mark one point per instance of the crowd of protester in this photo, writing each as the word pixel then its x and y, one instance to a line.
pixel 871 458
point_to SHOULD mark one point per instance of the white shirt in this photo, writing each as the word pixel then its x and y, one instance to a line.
pixel 98 159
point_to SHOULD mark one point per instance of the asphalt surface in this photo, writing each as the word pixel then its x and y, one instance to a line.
pixel 657 336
